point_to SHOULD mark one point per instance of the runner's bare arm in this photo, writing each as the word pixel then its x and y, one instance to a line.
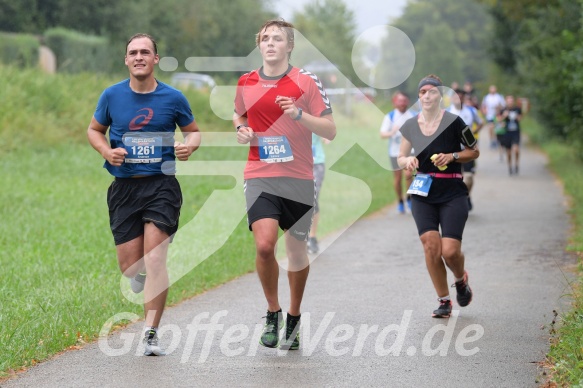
pixel 96 135
pixel 404 159
pixel 192 139
pixel 244 133
pixel 323 126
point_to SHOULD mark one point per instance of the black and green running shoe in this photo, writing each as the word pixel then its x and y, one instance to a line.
pixel 273 324
pixel 292 333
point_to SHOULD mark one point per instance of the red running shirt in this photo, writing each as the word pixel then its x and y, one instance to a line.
pixel 255 100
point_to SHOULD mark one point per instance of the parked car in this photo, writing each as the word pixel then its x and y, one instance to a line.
pixel 192 81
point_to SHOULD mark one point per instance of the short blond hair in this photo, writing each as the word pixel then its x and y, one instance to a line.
pixel 286 27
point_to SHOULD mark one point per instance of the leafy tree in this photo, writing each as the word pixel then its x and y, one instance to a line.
pixel 13 18
pixel 464 30
pixel 183 27
pixel 186 28
pixel 328 25
pixel 436 53
pixel 90 17
pixel 543 52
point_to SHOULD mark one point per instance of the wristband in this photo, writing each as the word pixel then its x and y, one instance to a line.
pixel 239 126
pixel 299 116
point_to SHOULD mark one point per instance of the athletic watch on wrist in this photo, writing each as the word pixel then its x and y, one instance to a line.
pixel 455 155
pixel 299 116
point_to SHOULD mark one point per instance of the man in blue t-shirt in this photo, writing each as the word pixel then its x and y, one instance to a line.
pixel 145 198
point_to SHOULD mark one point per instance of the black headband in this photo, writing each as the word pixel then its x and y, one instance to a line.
pixel 428 81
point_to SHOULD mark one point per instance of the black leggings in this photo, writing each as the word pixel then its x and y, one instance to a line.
pixel 452 216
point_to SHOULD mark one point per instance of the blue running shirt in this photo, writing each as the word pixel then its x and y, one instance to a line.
pixel 143 124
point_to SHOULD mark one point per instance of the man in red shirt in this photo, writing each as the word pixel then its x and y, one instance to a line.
pixel 277 108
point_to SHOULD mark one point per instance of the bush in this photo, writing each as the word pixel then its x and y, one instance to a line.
pixel 78 52
pixel 19 49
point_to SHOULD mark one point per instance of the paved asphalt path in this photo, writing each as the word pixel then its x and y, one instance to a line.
pixel 367 310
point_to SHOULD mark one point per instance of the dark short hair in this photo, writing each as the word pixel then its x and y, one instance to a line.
pixel 142 35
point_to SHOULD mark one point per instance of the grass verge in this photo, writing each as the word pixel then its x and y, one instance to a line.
pixel 565 358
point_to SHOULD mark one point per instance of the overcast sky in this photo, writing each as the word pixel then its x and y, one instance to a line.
pixel 368 13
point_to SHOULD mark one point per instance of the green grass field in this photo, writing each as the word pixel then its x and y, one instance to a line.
pixel 60 281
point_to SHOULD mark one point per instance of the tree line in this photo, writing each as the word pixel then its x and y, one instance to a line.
pixel 538 49
pixel 531 48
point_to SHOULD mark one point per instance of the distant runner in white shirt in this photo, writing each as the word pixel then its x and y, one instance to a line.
pixel 390 130
pixel 492 103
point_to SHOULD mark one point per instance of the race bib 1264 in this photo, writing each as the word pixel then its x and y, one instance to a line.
pixel 274 149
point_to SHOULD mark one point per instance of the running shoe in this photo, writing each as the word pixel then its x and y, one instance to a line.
pixel 444 309
pixel 401 208
pixel 151 344
pixel 464 292
pixel 273 324
pixel 313 245
pixel 409 204
pixel 292 334
pixel 137 283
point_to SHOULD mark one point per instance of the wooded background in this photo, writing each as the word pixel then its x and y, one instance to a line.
pixel 529 48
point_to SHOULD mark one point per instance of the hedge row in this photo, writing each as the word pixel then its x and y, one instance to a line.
pixel 75 52
pixel 20 50
pixel 78 52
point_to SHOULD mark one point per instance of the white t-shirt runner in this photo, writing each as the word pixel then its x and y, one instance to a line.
pixel 391 119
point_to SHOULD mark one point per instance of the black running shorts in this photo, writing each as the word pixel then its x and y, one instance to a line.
pixel 134 201
pixel 451 216
pixel 288 200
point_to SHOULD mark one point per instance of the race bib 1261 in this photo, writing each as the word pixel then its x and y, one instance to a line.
pixel 143 149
